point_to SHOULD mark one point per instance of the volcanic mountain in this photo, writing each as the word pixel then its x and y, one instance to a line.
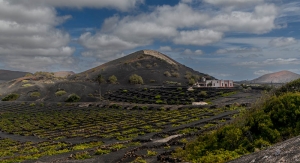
pixel 154 67
pixel 7 75
pixel 277 77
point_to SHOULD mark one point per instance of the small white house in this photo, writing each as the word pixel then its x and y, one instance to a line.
pixel 215 83
pixel 219 83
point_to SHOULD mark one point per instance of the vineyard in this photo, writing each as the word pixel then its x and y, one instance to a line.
pixel 170 95
pixel 107 132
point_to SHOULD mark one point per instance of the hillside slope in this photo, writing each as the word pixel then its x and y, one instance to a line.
pixel 154 67
pixel 7 75
pixel 277 77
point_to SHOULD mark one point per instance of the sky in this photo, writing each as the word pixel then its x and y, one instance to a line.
pixel 228 39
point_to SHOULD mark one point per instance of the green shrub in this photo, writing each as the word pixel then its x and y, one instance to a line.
pixel 139 160
pixel 27 85
pixel 82 155
pixel 28 74
pixel 35 94
pixel 113 79
pixel 100 79
pixel 138 65
pixel 136 79
pixel 151 153
pixel 159 101
pixel 73 98
pixel 175 74
pixel 167 73
pixel 11 97
pixel 203 94
pixel 152 81
pixel 192 81
pixel 60 93
pixel 32 104
pixel 102 152
pixel 149 66
pixel 276 119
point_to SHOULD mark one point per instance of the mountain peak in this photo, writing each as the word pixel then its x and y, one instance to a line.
pixel 277 77
pixel 158 55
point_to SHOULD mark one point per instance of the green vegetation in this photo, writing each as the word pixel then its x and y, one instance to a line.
pixel 25 81
pixel 139 160
pixel 60 93
pixel 82 155
pixel 167 73
pixel 149 66
pixel 275 119
pixel 27 85
pixel 112 79
pixel 191 77
pixel 228 94
pixel 35 94
pixel 138 65
pixel 44 74
pixel 32 104
pixel 151 153
pixel 203 94
pixel 100 79
pixel 102 152
pixel 28 74
pixel 175 74
pixel 73 98
pixel 136 79
pixel 11 97
pixel 192 81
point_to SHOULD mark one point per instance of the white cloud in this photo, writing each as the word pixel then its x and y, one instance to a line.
pixel 276 61
pixel 182 24
pixel 198 37
pixel 198 52
pixel 28 34
pixel 260 21
pixel 186 1
pixel 233 2
pixel 123 5
pixel 237 50
pixel 165 48
pixel 190 52
pixel 262 72
pixel 283 41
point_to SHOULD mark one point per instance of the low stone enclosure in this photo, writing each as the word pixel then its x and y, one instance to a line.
pixel 104 132
pixel 170 95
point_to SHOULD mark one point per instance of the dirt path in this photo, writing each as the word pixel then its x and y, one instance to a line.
pixel 21 138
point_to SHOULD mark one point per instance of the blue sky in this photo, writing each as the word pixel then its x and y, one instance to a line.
pixel 232 39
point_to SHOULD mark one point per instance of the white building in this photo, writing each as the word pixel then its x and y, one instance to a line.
pixel 214 83
pixel 219 83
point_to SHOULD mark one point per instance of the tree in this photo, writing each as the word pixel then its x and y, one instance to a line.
pixel 113 79
pixel 136 79
pixel 100 79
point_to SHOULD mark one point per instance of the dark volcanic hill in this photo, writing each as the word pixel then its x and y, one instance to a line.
pixel 277 77
pixel 155 68
pixel 151 65
pixel 7 75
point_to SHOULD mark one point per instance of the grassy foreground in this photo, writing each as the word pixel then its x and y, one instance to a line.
pixel 274 119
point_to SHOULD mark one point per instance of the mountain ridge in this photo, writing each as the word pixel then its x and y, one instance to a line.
pixel 277 77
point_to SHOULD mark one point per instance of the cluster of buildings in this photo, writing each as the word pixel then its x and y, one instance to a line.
pixel 214 83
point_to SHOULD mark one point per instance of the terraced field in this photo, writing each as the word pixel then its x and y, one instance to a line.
pixel 170 95
pixel 110 131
